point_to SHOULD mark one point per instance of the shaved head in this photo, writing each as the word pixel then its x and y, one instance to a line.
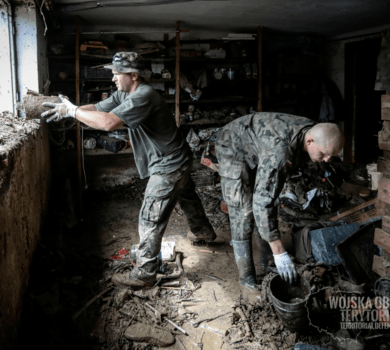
pixel 323 141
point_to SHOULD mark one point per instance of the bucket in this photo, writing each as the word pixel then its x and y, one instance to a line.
pixel 372 170
pixel 289 301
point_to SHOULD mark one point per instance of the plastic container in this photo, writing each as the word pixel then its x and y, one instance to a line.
pixel 372 170
pixel 290 303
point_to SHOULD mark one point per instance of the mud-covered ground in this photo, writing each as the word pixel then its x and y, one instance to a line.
pixel 73 266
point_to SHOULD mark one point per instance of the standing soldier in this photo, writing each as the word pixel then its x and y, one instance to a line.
pixel 160 152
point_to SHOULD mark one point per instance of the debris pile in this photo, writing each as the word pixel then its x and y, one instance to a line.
pixel 317 189
pixel 13 132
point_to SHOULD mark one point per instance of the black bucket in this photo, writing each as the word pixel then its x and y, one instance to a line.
pixel 289 301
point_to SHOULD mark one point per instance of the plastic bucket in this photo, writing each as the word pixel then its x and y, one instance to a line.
pixel 372 170
pixel 289 302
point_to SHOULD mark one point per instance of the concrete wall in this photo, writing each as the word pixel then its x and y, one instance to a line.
pixel 25 172
pixel 6 95
pixel 23 199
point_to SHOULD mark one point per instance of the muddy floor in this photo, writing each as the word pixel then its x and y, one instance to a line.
pixel 73 266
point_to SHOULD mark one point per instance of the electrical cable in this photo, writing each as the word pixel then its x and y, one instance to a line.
pixel 82 157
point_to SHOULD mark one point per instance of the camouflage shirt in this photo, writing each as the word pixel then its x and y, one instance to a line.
pixel 272 143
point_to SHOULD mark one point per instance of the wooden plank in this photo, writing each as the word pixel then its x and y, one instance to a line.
pixel 386 155
pixel 381 266
pixel 382 239
pixel 384 166
pixel 177 76
pixel 384 189
pixel 363 212
pixel 385 107
pixel 260 69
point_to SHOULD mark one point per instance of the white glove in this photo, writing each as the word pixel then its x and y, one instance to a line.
pixel 65 109
pixel 286 267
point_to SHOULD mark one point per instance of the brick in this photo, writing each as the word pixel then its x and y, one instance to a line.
pixel 384 166
pixel 382 239
pixel 386 223
pixel 386 155
pixel 384 189
pixel 385 255
pixel 384 140
pixel 381 266
pixel 385 107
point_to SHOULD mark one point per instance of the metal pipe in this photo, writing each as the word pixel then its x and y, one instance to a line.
pixel 90 5
pixel 14 76
pixel 132 32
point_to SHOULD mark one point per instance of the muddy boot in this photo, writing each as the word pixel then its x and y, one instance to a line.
pixel 265 255
pixel 246 270
pixel 201 239
pixel 134 279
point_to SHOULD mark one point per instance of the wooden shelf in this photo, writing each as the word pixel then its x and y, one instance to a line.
pixel 216 60
pixel 102 152
pixel 205 122
pixel 218 100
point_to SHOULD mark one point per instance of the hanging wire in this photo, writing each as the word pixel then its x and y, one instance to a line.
pixel 82 157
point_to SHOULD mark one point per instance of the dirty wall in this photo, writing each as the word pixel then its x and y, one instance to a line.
pixel 24 185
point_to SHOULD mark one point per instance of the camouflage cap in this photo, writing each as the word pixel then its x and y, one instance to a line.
pixel 129 62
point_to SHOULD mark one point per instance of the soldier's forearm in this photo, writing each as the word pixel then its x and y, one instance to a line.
pixel 277 247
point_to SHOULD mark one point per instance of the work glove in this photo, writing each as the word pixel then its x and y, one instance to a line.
pixel 62 110
pixel 286 267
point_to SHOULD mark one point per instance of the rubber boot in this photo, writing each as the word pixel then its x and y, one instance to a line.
pixel 246 270
pixel 134 279
pixel 265 254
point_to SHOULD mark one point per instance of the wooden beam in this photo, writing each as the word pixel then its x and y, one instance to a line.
pixel 177 76
pixel 384 189
pixel 260 69
pixel 78 102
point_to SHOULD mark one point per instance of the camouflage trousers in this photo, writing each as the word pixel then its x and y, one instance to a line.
pixel 238 184
pixel 161 195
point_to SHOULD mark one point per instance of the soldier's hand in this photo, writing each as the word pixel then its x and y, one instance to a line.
pixel 65 109
pixel 286 267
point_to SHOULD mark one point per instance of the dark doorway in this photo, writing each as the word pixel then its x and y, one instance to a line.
pixel 363 120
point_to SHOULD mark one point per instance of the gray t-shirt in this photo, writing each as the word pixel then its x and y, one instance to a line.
pixel 159 147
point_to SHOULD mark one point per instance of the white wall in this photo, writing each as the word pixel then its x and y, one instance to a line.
pixel 6 103
pixel 29 38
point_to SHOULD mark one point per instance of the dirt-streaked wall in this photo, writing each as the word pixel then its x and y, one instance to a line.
pixel 24 187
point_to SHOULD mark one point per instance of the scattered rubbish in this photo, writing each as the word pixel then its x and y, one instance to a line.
pixel 77 314
pixel 248 331
pixel 197 323
pixel 141 332
pixel 213 294
pixel 215 278
pixel 120 254
pixel 176 326
pixel 303 346
pixel 361 213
